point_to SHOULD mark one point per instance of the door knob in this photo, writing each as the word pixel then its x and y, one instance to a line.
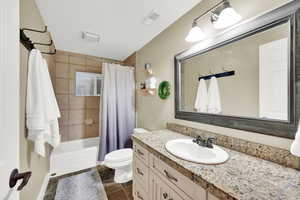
pixel 15 176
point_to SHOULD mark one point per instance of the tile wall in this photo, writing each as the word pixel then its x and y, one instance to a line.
pixel 76 110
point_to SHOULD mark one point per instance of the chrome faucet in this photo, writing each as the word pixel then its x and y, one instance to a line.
pixel 204 142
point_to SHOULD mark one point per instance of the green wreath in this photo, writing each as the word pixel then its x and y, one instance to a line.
pixel 164 90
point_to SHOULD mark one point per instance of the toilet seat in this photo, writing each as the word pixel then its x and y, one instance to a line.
pixel 119 155
pixel 118 158
pixel 121 162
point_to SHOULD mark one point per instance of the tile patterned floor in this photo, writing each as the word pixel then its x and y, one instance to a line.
pixel 113 190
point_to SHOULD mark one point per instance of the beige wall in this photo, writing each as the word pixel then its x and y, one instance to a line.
pixel 75 110
pixel 239 94
pixel 30 18
pixel 152 112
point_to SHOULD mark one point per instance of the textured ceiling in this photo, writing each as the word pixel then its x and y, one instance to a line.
pixel 118 22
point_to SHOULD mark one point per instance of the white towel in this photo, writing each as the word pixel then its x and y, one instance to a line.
pixel 295 148
pixel 214 100
pixel 201 102
pixel 42 111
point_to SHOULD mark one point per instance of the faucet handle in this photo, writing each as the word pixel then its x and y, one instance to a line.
pixel 209 142
pixel 198 139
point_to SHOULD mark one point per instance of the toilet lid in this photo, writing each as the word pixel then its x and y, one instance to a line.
pixel 119 155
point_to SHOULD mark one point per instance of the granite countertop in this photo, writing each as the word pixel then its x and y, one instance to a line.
pixel 241 177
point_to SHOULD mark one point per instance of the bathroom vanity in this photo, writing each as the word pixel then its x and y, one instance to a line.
pixel 158 175
pixel 154 179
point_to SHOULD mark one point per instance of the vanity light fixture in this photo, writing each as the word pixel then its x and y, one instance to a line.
pixel 225 17
pixel 196 34
pixel 222 16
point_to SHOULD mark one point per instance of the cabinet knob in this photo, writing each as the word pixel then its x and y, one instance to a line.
pixel 140 152
pixel 169 176
pixel 139 171
pixel 165 195
pixel 139 196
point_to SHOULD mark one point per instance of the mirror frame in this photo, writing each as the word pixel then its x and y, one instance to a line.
pixel 287 13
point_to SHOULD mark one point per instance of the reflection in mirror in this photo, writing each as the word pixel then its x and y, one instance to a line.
pixel 247 78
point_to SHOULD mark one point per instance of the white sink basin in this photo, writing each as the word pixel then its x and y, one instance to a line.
pixel 188 150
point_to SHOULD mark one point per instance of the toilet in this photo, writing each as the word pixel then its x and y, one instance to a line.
pixel 121 162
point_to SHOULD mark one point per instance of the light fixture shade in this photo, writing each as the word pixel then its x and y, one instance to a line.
pixel 226 18
pixel 196 34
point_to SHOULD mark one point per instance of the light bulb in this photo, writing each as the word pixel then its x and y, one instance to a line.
pixel 196 34
pixel 226 18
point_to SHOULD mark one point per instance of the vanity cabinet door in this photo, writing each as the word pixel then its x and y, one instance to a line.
pixel 159 190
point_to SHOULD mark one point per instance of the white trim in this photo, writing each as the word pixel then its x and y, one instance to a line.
pixel 44 187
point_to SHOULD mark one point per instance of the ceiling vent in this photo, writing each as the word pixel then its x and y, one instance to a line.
pixel 92 37
pixel 153 16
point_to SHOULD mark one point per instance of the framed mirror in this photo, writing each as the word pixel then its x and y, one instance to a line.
pixel 245 78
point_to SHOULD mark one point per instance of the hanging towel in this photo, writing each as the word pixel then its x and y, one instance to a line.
pixel 295 148
pixel 201 102
pixel 214 101
pixel 42 111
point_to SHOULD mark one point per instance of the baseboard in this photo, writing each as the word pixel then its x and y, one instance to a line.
pixel 44 187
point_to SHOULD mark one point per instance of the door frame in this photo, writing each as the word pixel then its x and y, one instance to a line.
pixel 9 94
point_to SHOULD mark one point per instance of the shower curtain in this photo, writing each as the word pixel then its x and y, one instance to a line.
pixel 118 108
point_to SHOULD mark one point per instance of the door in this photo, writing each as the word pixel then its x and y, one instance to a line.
pixel 9 95
pixel 273 80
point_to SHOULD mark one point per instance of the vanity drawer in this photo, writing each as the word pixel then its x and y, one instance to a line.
pixel 186 185
pixel 141 173
pixel 139 192
pixel 141 153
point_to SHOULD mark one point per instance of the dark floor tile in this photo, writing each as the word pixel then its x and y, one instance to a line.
pixel 117 196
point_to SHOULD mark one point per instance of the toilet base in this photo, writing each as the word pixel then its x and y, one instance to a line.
pixel 123 174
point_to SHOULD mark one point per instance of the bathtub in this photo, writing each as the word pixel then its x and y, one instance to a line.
pixel 74 156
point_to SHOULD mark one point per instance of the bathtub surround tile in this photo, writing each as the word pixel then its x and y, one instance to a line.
pixel 77 102
pixel 75 68
pixel 61 86
pixel 77 60
pixel 76 117
pixel 92 114
pixel 93 62
pixel 92 102
pixel 76 132
pixel 62 58
pixel 72 87
pixel 280 156
pixel 64 133
pixel 93 70
pixel 61 70
pixel 65 66
pixel 64 118
pixel 92 130
pixel 63 101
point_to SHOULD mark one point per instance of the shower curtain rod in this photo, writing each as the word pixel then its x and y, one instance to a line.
pixel 29 45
